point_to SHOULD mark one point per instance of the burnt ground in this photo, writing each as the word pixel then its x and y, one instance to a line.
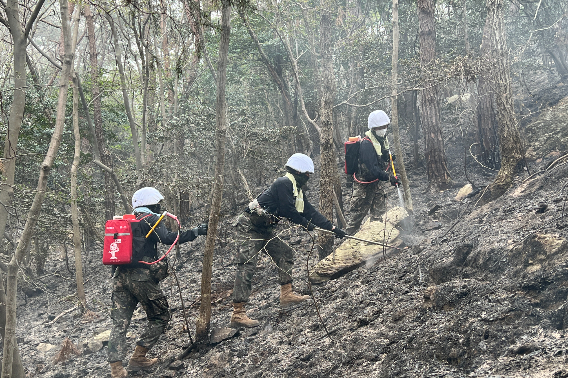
pixel 480 292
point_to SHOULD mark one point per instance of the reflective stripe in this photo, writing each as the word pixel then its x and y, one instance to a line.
pixel 118 234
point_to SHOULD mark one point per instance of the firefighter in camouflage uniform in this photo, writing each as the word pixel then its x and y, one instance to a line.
pixel 139 283
pixel 256 228
pixel 368 194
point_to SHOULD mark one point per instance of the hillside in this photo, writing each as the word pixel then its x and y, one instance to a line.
pixel 480 291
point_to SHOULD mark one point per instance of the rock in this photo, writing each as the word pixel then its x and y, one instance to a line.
pixel 463 192
pixel 541 208
pixel 103 336
pixel 433 210
pixel 45 347
pixel 221 334
pixel 92 346
pixel 176 365
pixel 352 254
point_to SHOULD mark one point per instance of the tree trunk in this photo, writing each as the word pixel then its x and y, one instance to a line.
pixel 486 112
pixel 203 323
pixel 436 165
pixel 327 157
pixel 510 146
pixel 74 168
pixel 74 211
pixel 110 207
pixel 394 115
pixel 11 355
pixel 19 38
pixel 33 214
pixel 127 108
pixel 17 367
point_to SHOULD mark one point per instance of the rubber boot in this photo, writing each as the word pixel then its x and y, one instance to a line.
pixel 138 361
pixel 288 297
pixel 240 318
pixel 117 370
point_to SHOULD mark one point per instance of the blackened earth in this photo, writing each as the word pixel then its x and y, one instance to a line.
pixel 480 292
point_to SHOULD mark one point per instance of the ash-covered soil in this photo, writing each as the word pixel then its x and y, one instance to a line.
pixel 479 292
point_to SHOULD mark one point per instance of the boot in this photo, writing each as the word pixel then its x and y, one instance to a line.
pixel 117 370
pixel 138 361
pixel 240 318
pixel 288 297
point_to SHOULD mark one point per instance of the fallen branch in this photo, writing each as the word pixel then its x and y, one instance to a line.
pixel 61 315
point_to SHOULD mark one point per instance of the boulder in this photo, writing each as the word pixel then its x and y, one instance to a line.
pixel 352 253
pixel 463 192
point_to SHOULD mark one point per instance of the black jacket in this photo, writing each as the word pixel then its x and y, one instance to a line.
pixel 371 165
pixel 279 200
pixel 146 249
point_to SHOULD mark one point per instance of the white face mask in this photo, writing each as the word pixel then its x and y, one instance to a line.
pixel 381 132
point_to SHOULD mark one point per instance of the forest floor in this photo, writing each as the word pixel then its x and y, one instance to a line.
pixel 480 292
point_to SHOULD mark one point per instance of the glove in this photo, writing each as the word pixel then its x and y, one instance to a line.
pixel 393 157
pixel 394 181
pixel 339 233
pixel 310 226
pixel 202 229
pixel 194 233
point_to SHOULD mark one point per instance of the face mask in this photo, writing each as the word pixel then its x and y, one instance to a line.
pixel 155 208
pixel 301 179
pixel 380 132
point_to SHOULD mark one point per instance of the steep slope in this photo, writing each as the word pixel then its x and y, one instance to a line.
pixel 480 292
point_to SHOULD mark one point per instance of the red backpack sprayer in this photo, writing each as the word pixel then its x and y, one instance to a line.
pixel 119 239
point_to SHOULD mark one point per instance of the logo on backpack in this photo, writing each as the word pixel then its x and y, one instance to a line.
pixel 113 249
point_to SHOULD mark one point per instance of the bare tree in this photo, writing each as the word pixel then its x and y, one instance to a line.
pixel 19 39
pixel 127 108
pixel 394 118
pixel 510 145
pixel 327 96
pixel 33 214
pixel 97 111
pixel 436 164
pixel 74 210
pixel 486 112
pixel 74 168
pixel 203 323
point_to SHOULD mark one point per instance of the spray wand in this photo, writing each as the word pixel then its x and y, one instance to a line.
pixel 392 165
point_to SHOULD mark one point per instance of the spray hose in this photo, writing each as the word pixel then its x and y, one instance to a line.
pixel 173 244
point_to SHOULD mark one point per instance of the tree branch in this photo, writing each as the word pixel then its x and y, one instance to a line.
pixel 33 18
pixel 117 183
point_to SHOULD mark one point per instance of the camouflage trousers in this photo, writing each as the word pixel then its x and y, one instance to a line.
pixel 367 198
pixel 130 287
pixel 256 238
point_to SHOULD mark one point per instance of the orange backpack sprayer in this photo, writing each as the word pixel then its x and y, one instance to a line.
pixel 118 242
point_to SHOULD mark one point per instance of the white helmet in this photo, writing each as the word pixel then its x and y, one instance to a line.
pixel 378 118
pixel 146 196
pixel 301 163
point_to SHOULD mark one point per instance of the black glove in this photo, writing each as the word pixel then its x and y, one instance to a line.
pixel 393 157
pixel 202 229
pixel 394 181
pixel 310 226
pixel 339 233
